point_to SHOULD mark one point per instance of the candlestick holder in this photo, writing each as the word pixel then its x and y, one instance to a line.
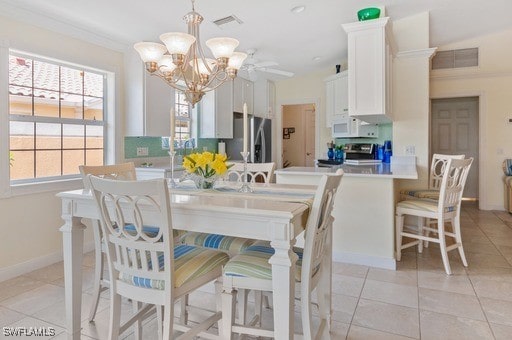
pixel 173 182
pixel 245 184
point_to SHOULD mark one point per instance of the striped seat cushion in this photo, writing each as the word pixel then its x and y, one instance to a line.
pixel 189 263
pixel 423 205
pixel 232 245
pixel 428 194
pixel 253 262
pixel 152 231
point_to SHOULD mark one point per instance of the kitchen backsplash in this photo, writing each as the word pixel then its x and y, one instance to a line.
pixel 154 145
pixel 385 133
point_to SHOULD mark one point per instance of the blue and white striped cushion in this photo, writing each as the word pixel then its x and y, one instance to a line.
pixel 424 205
pixel 253 262
pixel 152 231
pixel 189 263
pixel 419 193
pixel 232 245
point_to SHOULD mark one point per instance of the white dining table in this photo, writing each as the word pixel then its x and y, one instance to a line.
pixel 273 212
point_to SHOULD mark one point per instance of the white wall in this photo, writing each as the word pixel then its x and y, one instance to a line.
pixel 29 223
pixel 492 81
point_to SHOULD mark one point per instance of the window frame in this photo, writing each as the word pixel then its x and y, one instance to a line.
pixel 10 188
pixel 177 104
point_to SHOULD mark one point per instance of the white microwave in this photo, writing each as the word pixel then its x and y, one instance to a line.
pixel 345 126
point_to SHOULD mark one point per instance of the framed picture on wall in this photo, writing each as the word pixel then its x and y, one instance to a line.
pixel 287 136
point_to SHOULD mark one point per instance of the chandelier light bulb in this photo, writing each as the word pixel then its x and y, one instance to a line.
pixel 150 52
pixel 222 47
pixel 177 42
pixel 165 64
pixel 202 67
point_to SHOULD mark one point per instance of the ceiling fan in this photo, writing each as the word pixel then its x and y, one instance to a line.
pixel 251 65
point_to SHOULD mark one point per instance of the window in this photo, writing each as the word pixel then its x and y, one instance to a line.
pixel 183 119
pixel 56 118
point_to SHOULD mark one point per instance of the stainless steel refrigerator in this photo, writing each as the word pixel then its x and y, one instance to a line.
pixel 260 139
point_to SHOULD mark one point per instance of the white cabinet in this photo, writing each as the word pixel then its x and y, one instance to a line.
pixel 158 101
pixel 157 172
pixel 370 48
pixel 243 92
pixel 336 96
pixel 216 112
pixel 264 98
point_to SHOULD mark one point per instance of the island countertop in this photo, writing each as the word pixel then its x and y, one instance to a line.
pixel 384 170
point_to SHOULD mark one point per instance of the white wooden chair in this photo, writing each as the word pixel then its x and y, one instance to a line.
pixel 262 172
pixel 251 270
pixel 146 267
pixel 445 209
pixel 436 173
pixel 123 171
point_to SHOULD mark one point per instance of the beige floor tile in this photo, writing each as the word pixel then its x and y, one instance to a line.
pixel 17 285
pixel 477 247
pixel 408 261
pixel 35 300
pixel 27 322
pixel 8 316
pixel 403 277
pixel 339 330
pixel 343 307
pixel 497 311
pixel 387 318
pixel 451 303
pixel 56 313
pixel 450 283
pixel 501 332
pixel 499 290
pixel 88 279
pixel 494 274
pixel 442 326
pixel 505 250
pixel 347 285
pixel 48 274
pixel 486 260
pixel 362 333
pixel 349 269
pixel 403 295
pixel 64 336
pixel 501 240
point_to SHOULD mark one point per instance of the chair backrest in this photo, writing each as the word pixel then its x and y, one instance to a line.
pixel 255 172
pixel 437 169
pixel 319 226
pixel 123 171
pixel 452 184
pixel 126 209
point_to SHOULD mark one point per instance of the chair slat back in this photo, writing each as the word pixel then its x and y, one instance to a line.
pixel 437 169
pixel 453 182
pixel 255 171
pixel 136 222
pixel 319 225
pixel 122 171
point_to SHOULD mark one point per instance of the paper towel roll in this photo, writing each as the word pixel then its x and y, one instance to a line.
pixel 222 148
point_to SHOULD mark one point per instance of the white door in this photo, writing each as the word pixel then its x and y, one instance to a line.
pixel 454 130
pixel 298 135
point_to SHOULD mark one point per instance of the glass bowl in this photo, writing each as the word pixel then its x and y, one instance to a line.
pixel 368 13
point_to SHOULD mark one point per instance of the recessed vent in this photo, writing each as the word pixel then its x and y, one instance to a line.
pixel 228 22
pixel 467 57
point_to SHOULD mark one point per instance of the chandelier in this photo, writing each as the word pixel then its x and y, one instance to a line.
pixel 181 62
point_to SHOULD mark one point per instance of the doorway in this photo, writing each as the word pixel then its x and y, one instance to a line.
pixel 298 135
pixel 454 129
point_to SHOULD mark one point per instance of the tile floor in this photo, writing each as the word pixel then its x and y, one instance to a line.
pixel 417 301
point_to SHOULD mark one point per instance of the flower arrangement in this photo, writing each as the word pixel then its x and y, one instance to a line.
pixel 206 167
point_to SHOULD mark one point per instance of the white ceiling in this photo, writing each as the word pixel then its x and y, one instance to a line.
pixel 292 40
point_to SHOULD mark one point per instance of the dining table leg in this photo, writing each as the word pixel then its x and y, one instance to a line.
pixel 73 241
pixel 283 285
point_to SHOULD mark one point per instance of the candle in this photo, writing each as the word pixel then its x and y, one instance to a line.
pixel 173 128
pixel 245 127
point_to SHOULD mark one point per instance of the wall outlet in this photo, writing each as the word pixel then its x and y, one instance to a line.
pixel 142 151
pixel 410 150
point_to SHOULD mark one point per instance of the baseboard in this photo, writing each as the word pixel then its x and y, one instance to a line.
pixel 365 260
pixel 36 263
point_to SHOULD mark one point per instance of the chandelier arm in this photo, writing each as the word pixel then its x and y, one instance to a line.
pixel 167 81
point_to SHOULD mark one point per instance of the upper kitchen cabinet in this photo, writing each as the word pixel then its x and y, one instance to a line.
pixel 264 98
pixel 336 96
pixel 243 92
pixel 216 112
pixel 158 101
pixel 370 60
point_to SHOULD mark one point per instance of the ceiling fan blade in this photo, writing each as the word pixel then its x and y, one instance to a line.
pixel 266 64
pixel 252 74
pixel 280 72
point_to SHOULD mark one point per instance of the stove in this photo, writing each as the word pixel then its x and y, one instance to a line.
pixel 360 151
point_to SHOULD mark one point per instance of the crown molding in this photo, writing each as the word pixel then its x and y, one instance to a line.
pixel 423 53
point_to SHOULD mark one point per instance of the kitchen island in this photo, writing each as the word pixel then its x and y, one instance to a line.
pixel 364 210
